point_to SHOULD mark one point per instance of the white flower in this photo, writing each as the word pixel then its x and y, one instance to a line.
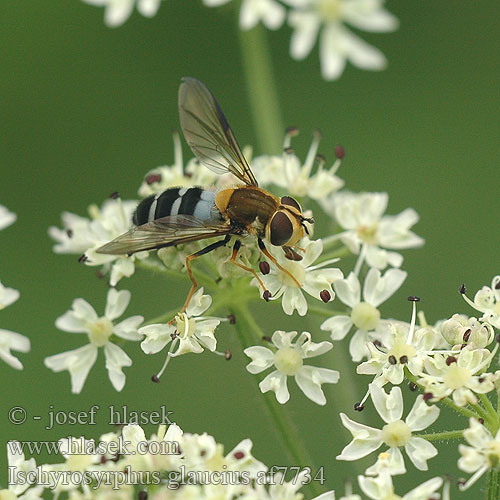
pixel 82 318
pixel 459 375
pixel 366 226
pixel 296 179
pixel 81 235
pixel 18 465
pixel 270 12
pixel 6 217
pixel 483 454
pixel 337 44
pixel 15 341
pixel 313 279
pixel 159 179
pixel 118 11
pixel 487 301
pixel 364 316
pixel 395 434
pixel 461 330
pixel 288 359
pixel 189 330
pixel 7 296
pixel 381 488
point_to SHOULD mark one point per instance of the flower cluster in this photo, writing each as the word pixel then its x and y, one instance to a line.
pixel 10 341
pixel 327 21
pixel 171 464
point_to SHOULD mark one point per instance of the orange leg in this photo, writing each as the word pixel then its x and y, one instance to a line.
pixel 264 250
pixel 236 247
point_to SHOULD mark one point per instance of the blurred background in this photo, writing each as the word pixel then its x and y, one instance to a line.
pixel 87 110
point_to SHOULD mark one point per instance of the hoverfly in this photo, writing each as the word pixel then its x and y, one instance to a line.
pixel 178 216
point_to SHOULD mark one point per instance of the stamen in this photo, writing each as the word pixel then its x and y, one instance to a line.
pixel 413 319
pixel 143 495
pixel 232 319
pixel 361 405
pixel 152 178
pixel 360 260
pixel 289 133
pixel 323 264
pixel 339 152
pixel 320 159
pixel 412 386
pixel 82 258
pixel 325 296
pixel 264 267
pixel 266 295
pixel 472 479
pixel 114 195
pixel 462 290
pixel 311 154
pixel 156 378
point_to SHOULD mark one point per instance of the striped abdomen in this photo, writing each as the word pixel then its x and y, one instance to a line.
pixel 177 201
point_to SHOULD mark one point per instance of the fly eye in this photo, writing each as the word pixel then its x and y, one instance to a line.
pixel 288 200
pixel 281 229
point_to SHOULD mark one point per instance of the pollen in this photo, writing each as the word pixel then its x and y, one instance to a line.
pixel 456 377
pixel 100 331
pixel 396 434
pixel 329 10
pixel 365 316
pixel 288 361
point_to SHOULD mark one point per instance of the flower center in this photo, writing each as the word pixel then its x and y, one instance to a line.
pixel 365 316
pixel 329 10
pixel 100 331
pixel 396 434
pixel 493 453
pixel 402 352
pixel 456 376
pixel 185 326
pixel 288 361
pixel 368 234
pixel 295 269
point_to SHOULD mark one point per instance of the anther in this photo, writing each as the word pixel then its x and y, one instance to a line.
pixel 450 360
pixel 155 379
pixel 266 295
pixel 427 396
pixel 325 296
pixel 413 298
pixel 498 339
pixel 69 233
pixel 228 355
pixel 238 455
pixel 359 407
pixel 480 380
pixel 462 290
pixel 466 336
pixel 339 152
pixel 292 131
pixel 264 267
pixel 412 386
pixel 116 458
pixel 317 134
pixel 103 459
pixel 82 258
pixel 232 319
pixel 174 335
pixel 497 285
pixel 143 495
pixel 403 359
pixel 461 481
pixel 392 359
pixel 377 343
pixel 321 160
pixel 99 274
pixel 152 178
pixel 289 151
pixel 267 338
pixel 114 195
pixel 481 420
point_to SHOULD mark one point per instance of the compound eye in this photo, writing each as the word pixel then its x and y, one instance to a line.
pixel 288 200
pixel 281 229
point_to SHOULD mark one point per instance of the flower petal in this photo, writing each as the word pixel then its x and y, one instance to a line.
pixel 389 406
pixel 116 303
pixel 116 359
pixel 422 415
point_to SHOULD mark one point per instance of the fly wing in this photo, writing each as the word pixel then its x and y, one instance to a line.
pixel 164 232
pixel 208 133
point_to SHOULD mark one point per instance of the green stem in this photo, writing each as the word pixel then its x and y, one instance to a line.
pixel 261 88
pixel 490 411
pixel 249 331
pixel 493 485
pixel 442 436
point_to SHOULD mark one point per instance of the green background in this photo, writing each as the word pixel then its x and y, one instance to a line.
pixel 87 110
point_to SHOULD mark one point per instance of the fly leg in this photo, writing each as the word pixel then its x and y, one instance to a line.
pixel 237 245
pixel 195 255
pixel 264 250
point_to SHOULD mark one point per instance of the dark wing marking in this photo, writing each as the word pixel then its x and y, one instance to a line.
pixel 208 133
pixel 164 232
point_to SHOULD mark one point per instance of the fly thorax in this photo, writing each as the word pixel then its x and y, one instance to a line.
pixel 296 270
pixel 396 434
pixel 456 376
pixel 100 331
pixel 368 234
pixel 365 316
pixel 185 326
pixel 329 10
pixel 288 361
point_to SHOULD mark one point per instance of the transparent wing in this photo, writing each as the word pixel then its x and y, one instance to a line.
pixel 208 133
pixel 164 232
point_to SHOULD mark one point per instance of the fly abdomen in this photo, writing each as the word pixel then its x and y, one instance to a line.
pixel 177 201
